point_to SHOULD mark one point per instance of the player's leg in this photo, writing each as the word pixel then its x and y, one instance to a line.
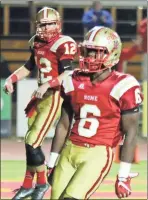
pixel 49 110
pixel 35 158
pixel 94 166
pixel 27 187
pixel 39 125
pixel 62 174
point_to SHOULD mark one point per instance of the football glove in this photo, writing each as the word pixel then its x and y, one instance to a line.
pixel 123 187
pixel 8 87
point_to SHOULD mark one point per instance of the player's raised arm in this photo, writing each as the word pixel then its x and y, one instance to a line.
pixel 19 74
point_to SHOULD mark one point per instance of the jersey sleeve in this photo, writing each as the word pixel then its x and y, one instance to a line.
pixel 131 99
pixel 128 93
pixel 65 48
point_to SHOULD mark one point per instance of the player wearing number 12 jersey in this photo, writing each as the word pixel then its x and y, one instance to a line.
pixel 52 54
pixel 103 103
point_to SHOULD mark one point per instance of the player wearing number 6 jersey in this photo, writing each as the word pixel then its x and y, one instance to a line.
pixel 103 103
pixel 52 53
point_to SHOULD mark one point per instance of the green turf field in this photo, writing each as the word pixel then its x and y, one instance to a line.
pixel 13 171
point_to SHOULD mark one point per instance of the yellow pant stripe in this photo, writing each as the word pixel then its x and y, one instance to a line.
pixel 59 102
pixel 104 172
pixel 45 127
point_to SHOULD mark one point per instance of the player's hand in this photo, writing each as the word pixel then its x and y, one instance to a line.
pixel 122 185
pixel 8 87
pixel 50 172
pixel 41 91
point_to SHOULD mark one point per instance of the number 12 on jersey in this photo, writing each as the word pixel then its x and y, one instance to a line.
pixel 70 49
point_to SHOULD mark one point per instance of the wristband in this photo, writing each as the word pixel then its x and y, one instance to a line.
pixel 13 78
pixel 52 159
pixel 54 83
pixel 124 170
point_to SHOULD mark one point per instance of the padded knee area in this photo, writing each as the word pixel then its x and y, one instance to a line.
pixel 35 157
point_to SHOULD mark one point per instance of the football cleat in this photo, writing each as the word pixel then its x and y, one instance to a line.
pixel 23 193
pixel 40 191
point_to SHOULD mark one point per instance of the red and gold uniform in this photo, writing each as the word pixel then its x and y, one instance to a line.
pixel 88 152
pixel 52 54
pixel 49 58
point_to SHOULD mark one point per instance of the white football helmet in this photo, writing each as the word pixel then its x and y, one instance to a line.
pixel 100 49
pixel 48 23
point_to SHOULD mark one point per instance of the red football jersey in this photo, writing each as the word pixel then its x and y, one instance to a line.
pixel 98 107
pixel 48 55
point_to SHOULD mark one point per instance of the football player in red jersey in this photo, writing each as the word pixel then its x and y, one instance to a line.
pixel 104 106
pixel 52 53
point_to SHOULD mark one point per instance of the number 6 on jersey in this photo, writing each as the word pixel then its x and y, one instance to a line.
pixel 93 122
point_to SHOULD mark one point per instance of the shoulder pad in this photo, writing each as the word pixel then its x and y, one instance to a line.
pixel 31 41
pixel 123 85
pixel 60 41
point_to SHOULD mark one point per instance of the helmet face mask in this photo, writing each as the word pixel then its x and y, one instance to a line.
pixel 48 24
pixel 100 50
pixel 92 59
